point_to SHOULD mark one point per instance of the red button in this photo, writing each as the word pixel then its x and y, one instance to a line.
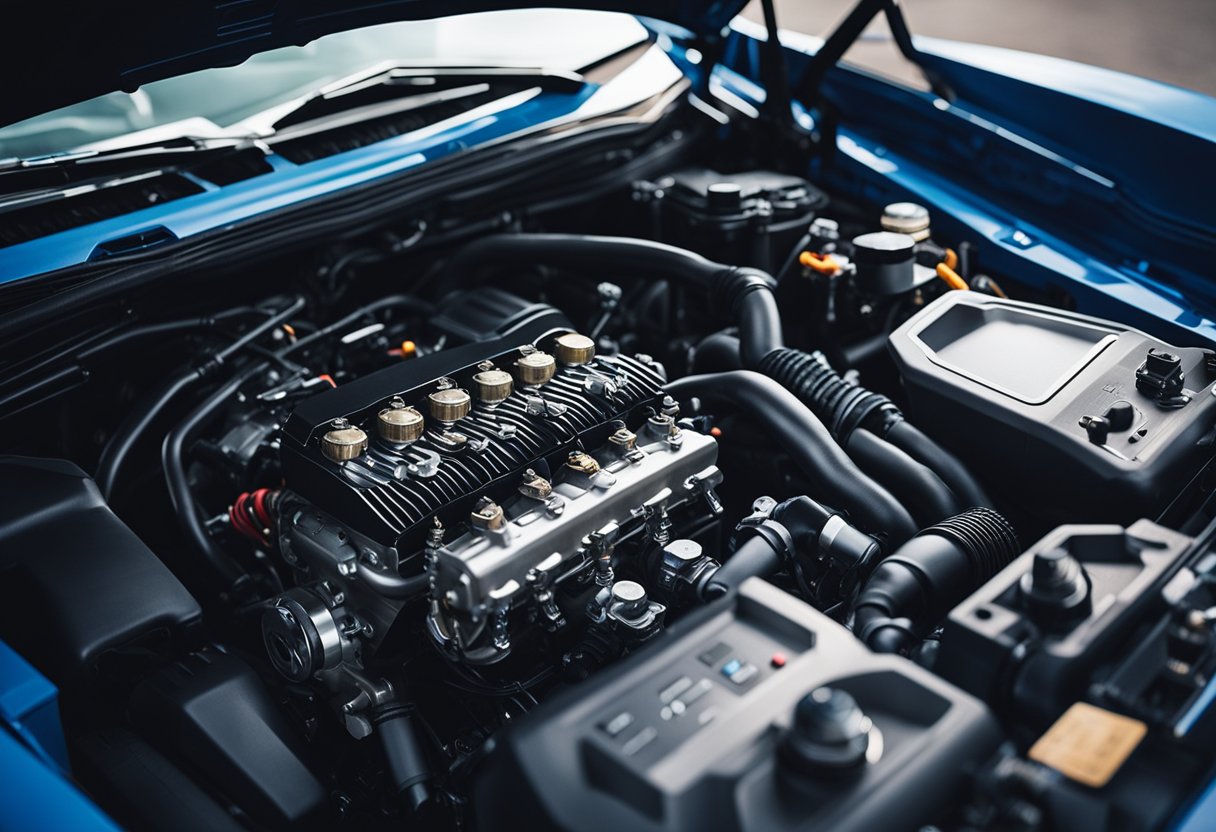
pixel 778 660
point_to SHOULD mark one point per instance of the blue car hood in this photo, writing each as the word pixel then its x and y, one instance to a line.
pixel 59 55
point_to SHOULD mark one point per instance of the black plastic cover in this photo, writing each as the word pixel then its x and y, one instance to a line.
pixel 74 580
pixel 1002 649
pixel 142 789
pixel 1038 398
pixel 687 733
pixel 748 219
pixel 211 712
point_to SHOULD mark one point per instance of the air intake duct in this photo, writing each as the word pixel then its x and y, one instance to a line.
pixel 844 406
pixel 929 575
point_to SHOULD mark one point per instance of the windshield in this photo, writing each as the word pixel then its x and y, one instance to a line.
pixel 215 101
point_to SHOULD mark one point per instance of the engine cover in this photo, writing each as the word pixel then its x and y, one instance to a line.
pixel 468 445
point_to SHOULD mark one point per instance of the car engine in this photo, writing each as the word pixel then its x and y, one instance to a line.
pixel 715 502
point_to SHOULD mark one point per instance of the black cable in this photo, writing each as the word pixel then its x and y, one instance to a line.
pixel 800 433
pixel 180 495
pixel 130 432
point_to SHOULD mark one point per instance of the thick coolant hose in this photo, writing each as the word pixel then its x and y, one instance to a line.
pixel 800 433
pixel 916 486
pixel 408 769
pixel 796 528
pixel 909 438
pixel 845 406
pixel 755 557
pixel 928 576
pixel 745 293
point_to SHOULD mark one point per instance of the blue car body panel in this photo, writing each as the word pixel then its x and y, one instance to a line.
pixel 1049 202
pixel 288 184
pixel 1076 134
pixel 34 790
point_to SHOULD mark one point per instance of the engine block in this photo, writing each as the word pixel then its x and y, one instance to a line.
pixel 484 475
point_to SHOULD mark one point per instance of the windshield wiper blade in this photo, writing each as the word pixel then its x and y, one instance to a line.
pixel 58 169
pixel 383 85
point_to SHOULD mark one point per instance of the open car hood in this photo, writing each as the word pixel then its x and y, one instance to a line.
pixel 62 55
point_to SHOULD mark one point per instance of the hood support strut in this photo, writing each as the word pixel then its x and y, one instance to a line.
pixel 847 33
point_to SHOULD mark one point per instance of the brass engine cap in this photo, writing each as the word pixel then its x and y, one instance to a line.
pixel 493 386
pixel 906 218
pixel 450 404
pixel 574 349
pixel 343 442
pixel 398 423
pixel 535 368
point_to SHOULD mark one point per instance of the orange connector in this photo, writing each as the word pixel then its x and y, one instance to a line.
pixel 951 277
pixel 824 265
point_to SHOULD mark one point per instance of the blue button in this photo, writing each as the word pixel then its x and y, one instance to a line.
pixel 731 667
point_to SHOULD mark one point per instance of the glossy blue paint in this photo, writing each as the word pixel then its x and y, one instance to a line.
pixel 34 796
pixel 1154 139
pixel 288 184
pixel 1034 204
pixel 34 790
pixel 29 707
pixel 1201 815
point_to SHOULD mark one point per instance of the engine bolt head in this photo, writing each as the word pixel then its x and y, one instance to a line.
pixel 582 462
pixel 574 349
pixel 487 514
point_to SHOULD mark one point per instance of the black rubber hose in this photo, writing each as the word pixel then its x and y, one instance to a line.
pixel 130 432
pixel 797 430
pixel 716 353
pixel 408 769
pixel 755 557
pixel 909 438
pixel 845 406
pixel 745 293
pixel 931 574
pixel 928 498
pixel 172 459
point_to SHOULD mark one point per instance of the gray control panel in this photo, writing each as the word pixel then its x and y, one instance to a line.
pixel 695 732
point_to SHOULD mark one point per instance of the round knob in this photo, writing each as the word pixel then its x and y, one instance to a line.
pixel 631 596
pixel 1121 415
pixel 1056 588
pixel 906 218
pixel 885 262
pixel 830 733
pixel 398 423
pixel 493 386
pixel 449 404
pixel 682 551
pixel 724 197
pixel 574 349
pixel 343 442
pixel 535 368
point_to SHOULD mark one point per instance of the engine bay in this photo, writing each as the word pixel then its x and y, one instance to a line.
pixel 712 502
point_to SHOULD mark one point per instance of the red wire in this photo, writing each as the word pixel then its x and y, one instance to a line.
pixel 259 507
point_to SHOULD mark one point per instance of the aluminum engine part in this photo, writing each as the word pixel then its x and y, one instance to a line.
pixel 515 551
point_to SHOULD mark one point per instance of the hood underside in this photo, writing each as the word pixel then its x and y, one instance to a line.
pixel 62 56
